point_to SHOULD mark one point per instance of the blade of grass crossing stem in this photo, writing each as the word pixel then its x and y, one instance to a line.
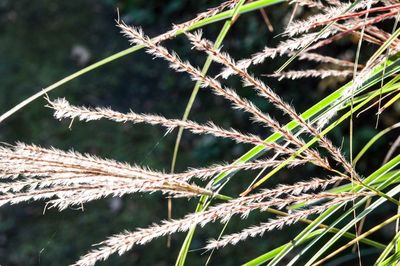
pixel 348 187
pixel 317 223
pixel 304 234
pixel 385 45
pixel 392 260
pixel 314 113
pixel 330 229
pixel 314 140
pixel 258 150
pixel 218 17
pixel 387 54
pixel 341 233
pixel 390 102
pixel 387 250
pixel 363 214
pixel 393 67
pixel 383 185
pixel 362 236
pixel 374 176
pixel 221 179
pixel 206 66
pixel 373 140
pixel 366 95
pixel 271 254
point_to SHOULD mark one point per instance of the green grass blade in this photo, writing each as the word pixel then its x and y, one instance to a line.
pixel 224 31
pixel 220 180
pixel 271 254
pixel 392 260
pixel 323 133
pixel 387 250
pixel 372 141
pixel 358 238
pixel 195 90
pixel 218 17
pixel 349 225
pixel 370 180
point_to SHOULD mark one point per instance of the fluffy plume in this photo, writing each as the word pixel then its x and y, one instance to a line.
pixel 259 58
pixel 123 242
pixel 137 36
pixel 277 223
pixel 207 172
pixel 312 73
pixel 259 86
pixel 330 14
pixel 64 110
pixel 73 178
pixel 271 96
pixel 188 24
pixel 68 178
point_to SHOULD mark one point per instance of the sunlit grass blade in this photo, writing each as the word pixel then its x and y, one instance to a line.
pixel 323 133
pixel 363 214
pixel 313 113
pixel 389 103
pixel 358 238
pixel 374 176
pixel 271 254
pixel 388 250
pixel 391 260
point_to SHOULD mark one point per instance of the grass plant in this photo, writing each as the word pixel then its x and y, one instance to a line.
pixel 331 204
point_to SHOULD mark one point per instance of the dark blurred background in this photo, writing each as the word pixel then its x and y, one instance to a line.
pixel 43 41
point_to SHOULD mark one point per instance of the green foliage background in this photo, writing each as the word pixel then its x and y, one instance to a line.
pixel 37 38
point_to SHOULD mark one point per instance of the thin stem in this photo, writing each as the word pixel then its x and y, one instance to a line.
pixel 352 242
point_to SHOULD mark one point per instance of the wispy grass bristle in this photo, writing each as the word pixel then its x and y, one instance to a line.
pixel 311 73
